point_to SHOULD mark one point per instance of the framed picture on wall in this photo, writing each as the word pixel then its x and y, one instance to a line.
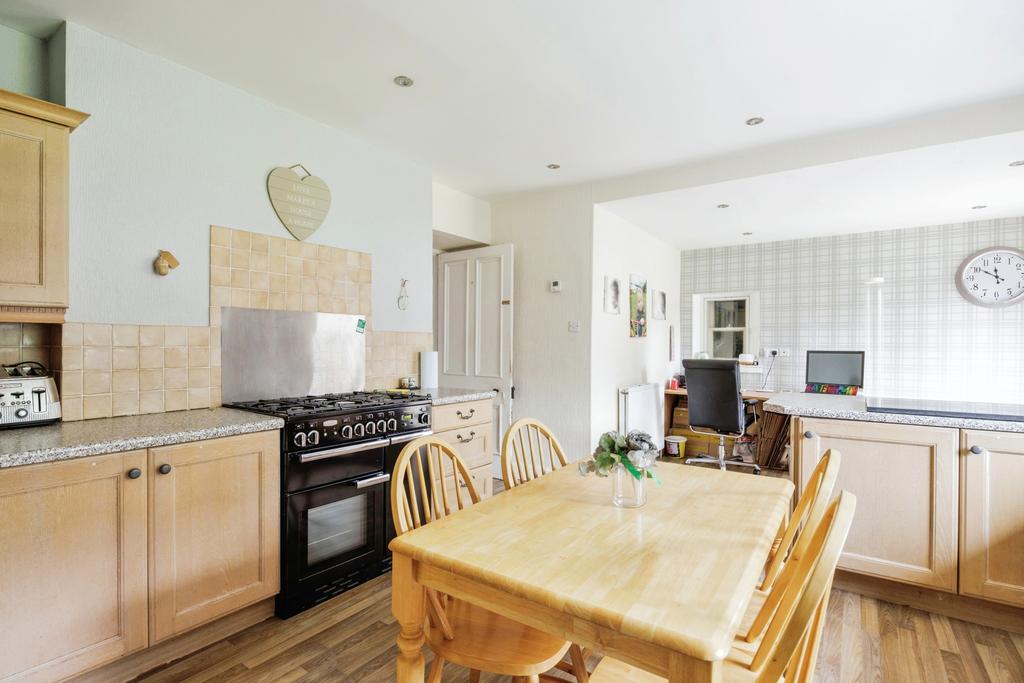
pixel 660 304
pixel 637 306
pixel 612 295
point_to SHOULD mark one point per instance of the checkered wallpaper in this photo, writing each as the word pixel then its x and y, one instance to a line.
pixel 922 339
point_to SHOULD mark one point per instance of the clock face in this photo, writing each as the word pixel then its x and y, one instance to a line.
pixel 992 277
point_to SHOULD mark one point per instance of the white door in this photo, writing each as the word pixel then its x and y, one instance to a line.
pixel 474 326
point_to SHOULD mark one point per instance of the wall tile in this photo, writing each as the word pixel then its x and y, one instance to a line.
pixel 126 335
pixel 97 335
pixel 151 335
pixel 96 406
pixel 96 357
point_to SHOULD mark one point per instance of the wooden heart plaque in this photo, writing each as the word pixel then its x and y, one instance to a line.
pixel 301 202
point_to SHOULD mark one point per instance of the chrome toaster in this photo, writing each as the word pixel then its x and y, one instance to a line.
pixel 28 395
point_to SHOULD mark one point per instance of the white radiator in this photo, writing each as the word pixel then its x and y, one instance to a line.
pixel 642 406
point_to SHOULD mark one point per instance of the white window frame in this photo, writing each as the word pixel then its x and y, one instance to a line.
pixel 700 330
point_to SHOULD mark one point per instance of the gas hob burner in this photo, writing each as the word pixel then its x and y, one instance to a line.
pixel 331 404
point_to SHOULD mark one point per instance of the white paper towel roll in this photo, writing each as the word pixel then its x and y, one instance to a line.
pixel 428 369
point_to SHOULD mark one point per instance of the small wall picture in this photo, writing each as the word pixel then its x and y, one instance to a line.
pixel 612 295
pixel 637 306
pixel 660 304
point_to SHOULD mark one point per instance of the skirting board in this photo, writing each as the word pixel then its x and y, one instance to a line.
pixel 950 605
pixel 134 665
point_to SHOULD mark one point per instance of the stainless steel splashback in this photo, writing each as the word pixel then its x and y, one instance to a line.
pixel 269 354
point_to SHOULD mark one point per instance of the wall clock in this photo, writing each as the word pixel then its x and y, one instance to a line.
pixel 992 277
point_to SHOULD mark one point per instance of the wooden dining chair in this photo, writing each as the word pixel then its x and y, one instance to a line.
pixel 529 450
pixel 789 648
pixel 430 482
pixel 782 562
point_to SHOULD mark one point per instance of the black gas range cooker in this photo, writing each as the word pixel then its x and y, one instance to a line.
pixel 337 455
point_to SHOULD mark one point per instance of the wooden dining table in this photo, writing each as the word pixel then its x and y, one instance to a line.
pixel 663 587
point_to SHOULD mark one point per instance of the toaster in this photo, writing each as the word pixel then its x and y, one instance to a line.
pixel 28 395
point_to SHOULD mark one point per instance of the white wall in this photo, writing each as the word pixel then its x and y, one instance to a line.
pixel 461 214
pixel 22 63
pixel 616 360
pixel 551 232
pixel 168 151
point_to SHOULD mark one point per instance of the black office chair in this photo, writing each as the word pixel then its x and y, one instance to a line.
pixel 716 406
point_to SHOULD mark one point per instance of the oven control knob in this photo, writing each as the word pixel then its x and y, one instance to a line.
pixel 382 426
pixel 371 427
pixel 359 430
pixel 424 418
pixel 392 424
pixel 313 437
pixel 300 440
pixel 20 412
pixel 346 432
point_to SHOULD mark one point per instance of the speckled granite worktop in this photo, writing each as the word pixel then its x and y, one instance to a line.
pixel 447 395
pixel 855 408
pixel 63 441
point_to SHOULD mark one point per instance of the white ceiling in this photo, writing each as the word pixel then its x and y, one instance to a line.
pixel 925 186
pixel 602 87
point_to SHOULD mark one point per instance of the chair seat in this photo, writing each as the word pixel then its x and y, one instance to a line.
pixel 490 642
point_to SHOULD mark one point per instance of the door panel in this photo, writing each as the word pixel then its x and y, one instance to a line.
pixel 992 501
pixel 455 317
pixel 214 525
pixel 491 350
pixel 73 565
pixel 905 479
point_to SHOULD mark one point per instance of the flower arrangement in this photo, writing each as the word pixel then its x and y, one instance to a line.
pixel 636 452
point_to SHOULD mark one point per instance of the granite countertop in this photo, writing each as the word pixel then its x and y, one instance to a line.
pixel 67 440
pixel 855 408
pixel 446 395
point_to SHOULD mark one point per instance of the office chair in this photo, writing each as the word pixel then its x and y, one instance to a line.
pixel 716 406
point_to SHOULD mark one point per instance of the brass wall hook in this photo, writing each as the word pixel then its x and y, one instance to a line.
pixel 165 262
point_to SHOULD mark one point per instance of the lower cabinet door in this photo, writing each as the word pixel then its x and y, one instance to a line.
pixel 72 565
pixel 905 478
pixel 214 529
pixel 992 503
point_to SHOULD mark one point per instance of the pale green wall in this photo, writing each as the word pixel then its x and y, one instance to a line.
pixel 23 63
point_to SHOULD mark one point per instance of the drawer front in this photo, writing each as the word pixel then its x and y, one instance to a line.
pixel 482 482
pixel 474 444
pixel 457 415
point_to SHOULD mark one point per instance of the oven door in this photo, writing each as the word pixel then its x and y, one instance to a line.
pixel 334 538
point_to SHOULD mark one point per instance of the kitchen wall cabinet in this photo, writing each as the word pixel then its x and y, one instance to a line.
pixel 34 207
pixel 992 516
pixel 107 555
pixel 72 565
pixel 469 428
pixel 214 529
pixel 906 480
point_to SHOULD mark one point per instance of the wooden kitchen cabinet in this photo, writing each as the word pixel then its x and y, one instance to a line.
pixel 72 565
pixel 906 480
pixel 469 428
pixel 214 529
pixel 992 516
pixel 34 207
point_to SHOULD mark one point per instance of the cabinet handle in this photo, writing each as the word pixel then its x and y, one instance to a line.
pixel 472 435
pixel 134 473
pixel 164 469
pixel 472 412
pixel 977 450
pixel 808 434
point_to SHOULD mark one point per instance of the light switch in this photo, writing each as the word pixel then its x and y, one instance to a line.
pixel 574 325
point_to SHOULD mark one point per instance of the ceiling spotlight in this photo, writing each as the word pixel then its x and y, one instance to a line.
pixel 755 121
pixel 1019 162
pixel 980 206
pixel 554 167
pixel 403 81
pixel 723 206
pixel 747 234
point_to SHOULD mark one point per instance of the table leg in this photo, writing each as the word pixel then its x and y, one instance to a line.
pixel 682 669
pixel 408 604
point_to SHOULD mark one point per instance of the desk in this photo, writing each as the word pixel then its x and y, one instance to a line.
pixel 663 587
pixel 698 445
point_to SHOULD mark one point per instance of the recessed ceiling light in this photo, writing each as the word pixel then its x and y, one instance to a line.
pixel 1019 162
pixel 980 206
pixel 747 234
pixel 755 121
pixel 554 167
pixel 723 206
pixel 403 81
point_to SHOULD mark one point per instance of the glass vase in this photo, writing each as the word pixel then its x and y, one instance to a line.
pixel 627 491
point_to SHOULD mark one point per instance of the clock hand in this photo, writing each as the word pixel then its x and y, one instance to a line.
pixel 995 275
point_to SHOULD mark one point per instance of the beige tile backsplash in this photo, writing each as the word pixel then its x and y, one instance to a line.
pixel 110 370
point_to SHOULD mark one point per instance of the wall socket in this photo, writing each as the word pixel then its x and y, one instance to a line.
pixel 784 353
pixel 770 351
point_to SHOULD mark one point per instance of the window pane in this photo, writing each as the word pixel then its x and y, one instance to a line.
pixel 726 344
pixel 731 313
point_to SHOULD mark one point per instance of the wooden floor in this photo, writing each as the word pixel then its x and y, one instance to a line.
pixel 352 639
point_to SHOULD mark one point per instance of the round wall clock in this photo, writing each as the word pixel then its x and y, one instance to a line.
pixel 992 277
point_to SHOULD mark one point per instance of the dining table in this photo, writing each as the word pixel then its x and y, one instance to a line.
pixel 662 587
